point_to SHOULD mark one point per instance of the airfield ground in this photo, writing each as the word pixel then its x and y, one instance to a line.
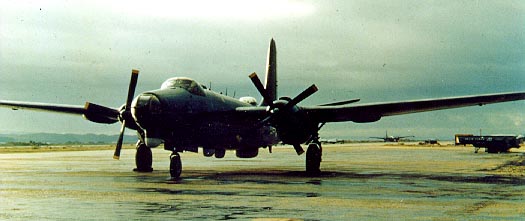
pixel 359 181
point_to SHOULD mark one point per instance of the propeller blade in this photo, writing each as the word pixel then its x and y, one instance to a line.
pixel 298 149
pixel 100 114
pixel 257 82
pixel 127 108
pixel 303 95
pixel 116 155
pixel 132 86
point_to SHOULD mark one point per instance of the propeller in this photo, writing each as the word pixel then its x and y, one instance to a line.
pixel 125 113
pixel 303 95
pixel 257 82
pixel 275 111
pixel 298 149
pixel 101 114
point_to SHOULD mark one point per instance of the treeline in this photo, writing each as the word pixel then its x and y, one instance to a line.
pixel 58 139
pixel 30 143
pixel 38 144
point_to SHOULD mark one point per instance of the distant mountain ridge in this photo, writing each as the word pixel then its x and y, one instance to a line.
pixel 55 138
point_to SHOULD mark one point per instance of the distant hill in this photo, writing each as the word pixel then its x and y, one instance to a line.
pixel 53 138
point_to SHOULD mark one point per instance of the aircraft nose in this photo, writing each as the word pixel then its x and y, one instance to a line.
pixel 144 108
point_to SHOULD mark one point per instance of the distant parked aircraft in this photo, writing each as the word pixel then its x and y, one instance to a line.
pixel 390 138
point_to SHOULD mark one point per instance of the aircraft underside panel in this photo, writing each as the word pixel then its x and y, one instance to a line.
pixel 220 136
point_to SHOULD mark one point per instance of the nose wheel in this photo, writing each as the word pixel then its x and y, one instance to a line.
pixel 175 165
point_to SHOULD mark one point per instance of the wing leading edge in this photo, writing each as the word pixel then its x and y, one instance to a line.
pixel 90 111
pixel 59 108
pixel 374 111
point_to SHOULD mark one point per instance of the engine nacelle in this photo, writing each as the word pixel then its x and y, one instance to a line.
pixel 152 142
pixel 294 135
pixel 293 126
pixel 152 138
pixel 145 109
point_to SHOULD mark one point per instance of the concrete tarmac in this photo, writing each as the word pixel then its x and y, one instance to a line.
pixel 359 182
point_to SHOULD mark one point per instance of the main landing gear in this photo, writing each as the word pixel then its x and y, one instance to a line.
pixel 143 158
pixel 175 165
pixel 314 154
pixel 313 157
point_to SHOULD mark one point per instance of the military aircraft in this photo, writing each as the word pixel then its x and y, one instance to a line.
pixel 185 116
pixel 387 138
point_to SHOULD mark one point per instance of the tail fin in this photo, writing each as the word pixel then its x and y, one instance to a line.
pixel 270 83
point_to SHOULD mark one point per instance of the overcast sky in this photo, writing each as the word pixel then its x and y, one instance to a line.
pixel 75 51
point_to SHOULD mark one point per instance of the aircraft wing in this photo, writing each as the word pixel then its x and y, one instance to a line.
pixel 90 111
pixel 61 108
pixel 372 112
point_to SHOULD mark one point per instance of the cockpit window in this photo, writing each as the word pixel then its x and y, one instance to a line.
pixel 184 83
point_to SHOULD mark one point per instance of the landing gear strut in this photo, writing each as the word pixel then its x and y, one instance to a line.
pixel 313 157
pixel 143 158
pixel 175 165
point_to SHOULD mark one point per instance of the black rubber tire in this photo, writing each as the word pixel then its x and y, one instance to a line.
pixel 220 153
pixel 143 158
pixel 313 159
pixel 175 165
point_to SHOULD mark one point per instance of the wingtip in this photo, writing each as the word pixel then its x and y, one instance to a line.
pixel 134 71
pixel 116 157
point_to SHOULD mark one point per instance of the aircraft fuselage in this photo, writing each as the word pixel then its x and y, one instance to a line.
pixel 189 117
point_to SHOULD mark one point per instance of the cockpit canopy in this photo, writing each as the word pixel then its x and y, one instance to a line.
pixel 185 83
